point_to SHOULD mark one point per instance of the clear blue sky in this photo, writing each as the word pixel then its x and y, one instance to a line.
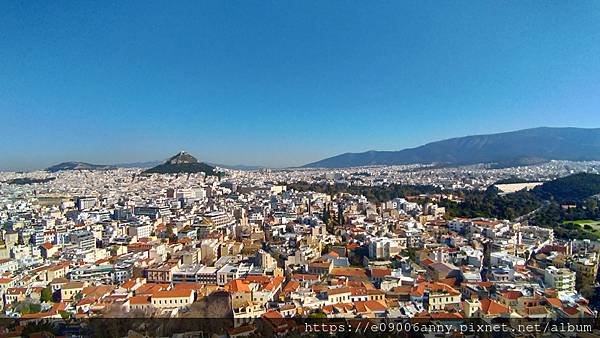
pixel 285 83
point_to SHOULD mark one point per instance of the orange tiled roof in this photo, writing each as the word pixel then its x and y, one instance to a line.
pixel 139 300
pixel 39 315
pixel 555 302
pixel 150 288
pixel 450 281
pixel 173 293
pixel 338 308
pixel 337 291
pixel 349 272
pixel 570 310
pixel 86 301
pixel 370 306
pixel 446 315
pixel 305 276
pixel 257 279
pixel 59 280
pixel 358 291
pixel 129 284
pixel 492 307
pixel 352 246
pixel 237 285
pixel 97 291
pixel 512 295
pixel 427 261
pixel 274 283
pixel 272 315
pixel 291 286
pixel 60 306
pixel 241 330
pixel 47 246
pixel 375 272
pixel 419 289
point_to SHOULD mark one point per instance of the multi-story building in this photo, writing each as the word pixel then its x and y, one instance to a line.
pixel 383 248
pixel 586 270
pixel 92 273
pixel 86 203
pixel 83 239
pixel 230 272
pixel 561 279
pixel 436 296
pixel 153 212
pixel 207 275
pixel 140 230
pixel 187 274
pixel 218 218
pixel 161 273
pixel 171 299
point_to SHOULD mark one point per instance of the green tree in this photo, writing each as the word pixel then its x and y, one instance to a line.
pixel 46 295
pixel 591 204
pixel 411 253
pixel 341 219
pixel 317 315
pixel 326 214
pixel 25 308
pixel 35 308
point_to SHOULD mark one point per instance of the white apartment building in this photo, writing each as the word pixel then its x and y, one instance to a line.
pixel 384 248
pixel 562 279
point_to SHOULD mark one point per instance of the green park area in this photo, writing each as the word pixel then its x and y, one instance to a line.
pixel 586 225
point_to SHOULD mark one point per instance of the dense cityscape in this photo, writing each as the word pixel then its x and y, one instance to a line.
pixel 128 243
pixel 229 169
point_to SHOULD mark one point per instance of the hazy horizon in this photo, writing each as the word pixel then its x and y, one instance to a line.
pixel 284 84
pixel 258 164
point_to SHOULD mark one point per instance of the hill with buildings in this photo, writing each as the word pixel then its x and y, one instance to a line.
pixel 182 163
pixel 522 147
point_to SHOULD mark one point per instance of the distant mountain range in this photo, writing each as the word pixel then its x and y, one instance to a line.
pixel 522 147
pixel 143 165
pixel 182 163
pixel 78 166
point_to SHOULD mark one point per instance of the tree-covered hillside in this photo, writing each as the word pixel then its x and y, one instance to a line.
pixel 570 189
